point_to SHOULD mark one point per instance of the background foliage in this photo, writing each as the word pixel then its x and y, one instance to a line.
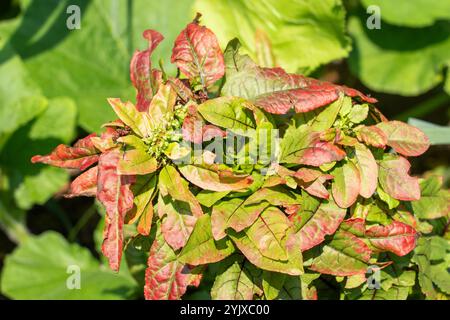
pixel 54 83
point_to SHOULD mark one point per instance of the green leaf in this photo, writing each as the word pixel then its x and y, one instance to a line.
pixel 138 121
pixel 208 198
pixel 236 213
pixel 434 202
pixel 346 184
pixel 405 61
pixel 100 51
pixel 201 247
pixel 228 112
pixel 295 142
pixel 272 283
pixel 144 191
pixel 436 134
pixel 368 170
pixel 236 281
pixel 303 34
pixel 55 263
pixel 345 255
pixel 432 257
pixel 358 113
pixel 137 162
pixel 266 253
pixel 36 183
pixel 411 13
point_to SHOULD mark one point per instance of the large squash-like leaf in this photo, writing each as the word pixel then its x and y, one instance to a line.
pixel 214 178
pixel 275 90
pixel 166 277
pixel 114 192
pixel 394 179
pixel 302 34
pixel 201 247
pixel 404 139
pixel 55 263
pixel 345 255
pixel 368 170
pixel 315 226
pixel 81 156
pixel 197 53
pixel 141 74
pixel 346 184
pixel 236 281
pixel 405 61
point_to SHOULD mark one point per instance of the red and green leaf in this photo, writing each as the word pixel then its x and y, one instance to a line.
pixel 397 237
pixel 372 136
pixel 346 184
pixel 166 278
pixel 113 191
pixel 81 156
pixel 368 170
pixel 142 76
pixel 395 180
pixel 404 138
pixel 84 185
pixel 197 54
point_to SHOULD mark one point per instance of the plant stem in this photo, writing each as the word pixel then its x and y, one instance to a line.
pixel 81 223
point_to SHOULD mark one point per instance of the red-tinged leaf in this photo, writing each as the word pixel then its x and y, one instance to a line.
pixel 138 121
pixel 197 53
pixel 395 180
pixel 346 184
pixel 107 139
pixel 166 278
pixel 141 73
pixel 81 156
pixel 312 181
pixel 320 153
pixel 307 175
pixel 145 222
pixel 323 222
pixel 195 130
pixel 177 221
pixel 355 226
pixel 181 88
pixel 404 138
pixel 84 185
pixel 397 237
pixel 275 90
pixel 368 170
pixel 144 192
pixel 345 255
pixel 212 177
pixel 114 192
pixel 372 136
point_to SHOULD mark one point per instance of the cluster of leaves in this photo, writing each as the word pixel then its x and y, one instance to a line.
pixel 332 202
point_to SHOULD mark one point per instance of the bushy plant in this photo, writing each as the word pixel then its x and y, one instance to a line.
pixel 283 182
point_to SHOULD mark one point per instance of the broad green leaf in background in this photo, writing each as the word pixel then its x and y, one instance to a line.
pixel 36 183
pixel 411 13
pixel 437 134
pixel 304 33
pixel 399 60
pixel 53 261
pixel 92 63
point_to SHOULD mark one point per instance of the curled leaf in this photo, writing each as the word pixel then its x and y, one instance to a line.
pixel 142 77
pixel 84 185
